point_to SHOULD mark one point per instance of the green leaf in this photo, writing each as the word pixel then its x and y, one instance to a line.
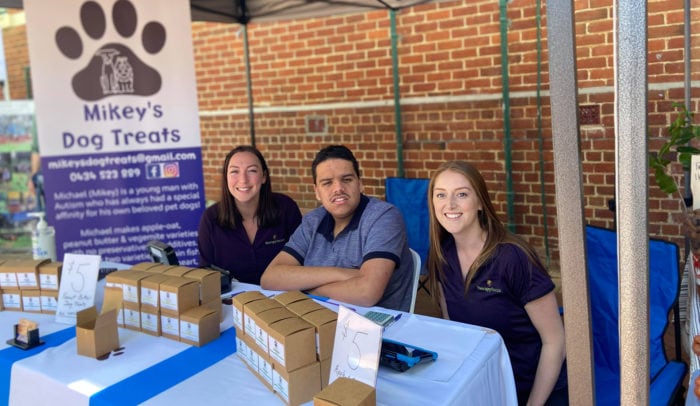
pixel 666 183
pixel 681 132
pixel 687 149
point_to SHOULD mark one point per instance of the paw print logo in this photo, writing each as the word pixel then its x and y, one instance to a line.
pixel 114 68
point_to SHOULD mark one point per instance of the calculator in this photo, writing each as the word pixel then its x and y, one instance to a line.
pixel 383 319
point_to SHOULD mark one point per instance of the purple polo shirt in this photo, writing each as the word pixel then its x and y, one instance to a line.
pixel 230 249
pixel 496 299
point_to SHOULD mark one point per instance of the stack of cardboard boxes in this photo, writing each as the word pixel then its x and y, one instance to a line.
pixel 286 341
pixel 29 285
pixel 176 302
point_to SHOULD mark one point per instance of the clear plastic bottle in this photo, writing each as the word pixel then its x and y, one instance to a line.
pixel 43 239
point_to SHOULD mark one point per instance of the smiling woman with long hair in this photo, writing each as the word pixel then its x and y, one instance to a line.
pixel 485 275
pixel 251 223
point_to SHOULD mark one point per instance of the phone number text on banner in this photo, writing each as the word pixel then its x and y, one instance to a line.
pixel 129 199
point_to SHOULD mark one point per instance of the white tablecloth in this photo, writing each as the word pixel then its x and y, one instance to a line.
pixel 483 377
pixel 51 333
pixel 472 368
pixel 47 324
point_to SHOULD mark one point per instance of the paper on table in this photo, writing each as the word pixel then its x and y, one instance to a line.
pixel 454 345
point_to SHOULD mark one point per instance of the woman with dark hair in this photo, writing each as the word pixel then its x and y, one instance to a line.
pixel 244 231
pixel 485 275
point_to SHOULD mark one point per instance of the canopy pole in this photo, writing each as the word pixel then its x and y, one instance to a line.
pixel 569 198
pixel 687 51
pixel 632 197
pixel 540 137
pixel 506 114
pixel 687 57
pixel 249 82
pixel 397 93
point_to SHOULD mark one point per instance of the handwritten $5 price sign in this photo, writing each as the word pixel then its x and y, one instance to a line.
pixel 78 286
pixel 358 342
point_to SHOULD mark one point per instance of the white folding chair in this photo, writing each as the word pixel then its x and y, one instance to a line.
pixel 416 277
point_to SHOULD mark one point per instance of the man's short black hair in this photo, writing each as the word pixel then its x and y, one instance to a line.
pixel 334 152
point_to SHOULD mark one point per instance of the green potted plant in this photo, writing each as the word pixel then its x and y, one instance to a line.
pixel 684 141
pixel 682 131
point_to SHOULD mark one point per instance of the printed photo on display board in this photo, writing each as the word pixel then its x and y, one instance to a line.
pixel 118 125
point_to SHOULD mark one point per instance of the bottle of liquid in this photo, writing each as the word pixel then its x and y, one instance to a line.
pixel 43 239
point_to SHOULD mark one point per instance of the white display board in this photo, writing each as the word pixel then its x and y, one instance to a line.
pixel 358 342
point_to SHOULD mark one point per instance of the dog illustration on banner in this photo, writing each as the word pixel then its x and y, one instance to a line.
pixel 114 68
pixel 117 77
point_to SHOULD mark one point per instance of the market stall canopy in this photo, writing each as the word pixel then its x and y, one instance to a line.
pixel 244 11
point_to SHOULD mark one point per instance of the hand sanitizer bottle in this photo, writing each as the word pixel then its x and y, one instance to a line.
pixel 43 239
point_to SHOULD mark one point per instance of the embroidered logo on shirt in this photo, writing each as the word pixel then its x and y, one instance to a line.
pixel 488 288
pixel 274 240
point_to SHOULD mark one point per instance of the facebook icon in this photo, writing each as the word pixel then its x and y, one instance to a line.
pixel 153 171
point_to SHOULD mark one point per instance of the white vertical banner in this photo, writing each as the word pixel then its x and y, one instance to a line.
pixel 118 126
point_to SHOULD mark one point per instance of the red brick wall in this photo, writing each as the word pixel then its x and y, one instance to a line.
pixel 450 84
pixel 451 90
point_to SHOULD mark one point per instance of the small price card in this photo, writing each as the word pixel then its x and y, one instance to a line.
pixel 358 342
pixel 78 286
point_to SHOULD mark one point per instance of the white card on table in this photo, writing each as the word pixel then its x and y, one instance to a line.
pixel 78 286
pixel 358 342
